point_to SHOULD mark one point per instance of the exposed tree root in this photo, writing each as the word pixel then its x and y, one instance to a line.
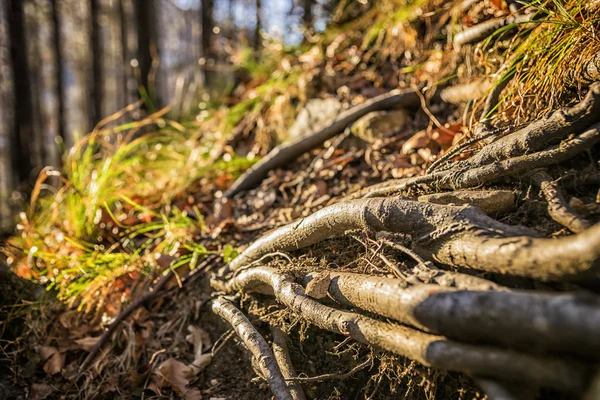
pixel 496 390
pixel 429 350
pixel 282 355
pixel 288 152
pixel 458 236
pixel 462 176
pixel 256 344
pixel 558 207
pixel 522 319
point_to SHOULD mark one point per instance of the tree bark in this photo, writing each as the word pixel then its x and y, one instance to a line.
pixel 145 15
pixel 58 72
pixel 97 79
pixel 206 19
pixel 257 37
pixel 23 124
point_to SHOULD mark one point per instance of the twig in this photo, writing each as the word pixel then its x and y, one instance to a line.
pixel 481 31
pixel 256 344
pixel 137 303
pixel 332 376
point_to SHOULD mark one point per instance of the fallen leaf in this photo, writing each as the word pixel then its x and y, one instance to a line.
pixel 40 391
pixel 53 360
pixel 417 141
pixel 87 343
pixel 318 287
pixel 174 374
pixel 193 394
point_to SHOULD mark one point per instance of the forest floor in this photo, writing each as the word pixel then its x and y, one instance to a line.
pixel 427 229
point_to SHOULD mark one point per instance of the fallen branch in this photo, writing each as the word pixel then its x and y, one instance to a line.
pixel 558 207
pixel 288 152
pixel 256 344
pixel 569 323
pixel 483 30
pixel 458 236
pixel 282 355
pixel 427 349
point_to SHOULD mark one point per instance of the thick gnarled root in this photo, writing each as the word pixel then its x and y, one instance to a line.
pixel 568 323
pixel 427 349
pixel 457 236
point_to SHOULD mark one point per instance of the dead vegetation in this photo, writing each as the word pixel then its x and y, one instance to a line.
pixel 453 257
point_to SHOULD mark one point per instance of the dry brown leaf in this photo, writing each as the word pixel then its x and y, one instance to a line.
pixel 193 394
pixel 87 343
pixel 175 374
pixel 318 288
pixel 53 360
pixel 417 141
pixel 40 391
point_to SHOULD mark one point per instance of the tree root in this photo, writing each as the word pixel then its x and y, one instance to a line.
pixel 286 153
pixel 569 323
pixel 427 349
pixel 256 344
pixel 558 207
pixel 496 390
pixel 426 272
pixel 458 236
pixel 462 176
pixel 282 355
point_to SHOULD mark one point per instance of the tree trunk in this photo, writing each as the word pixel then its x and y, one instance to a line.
pixel 97 78
pixel 58 57
pixel 123 20
pixel 207 34
pixel 145 15
pixel 257 37
pixel 307 16
pixel 23 126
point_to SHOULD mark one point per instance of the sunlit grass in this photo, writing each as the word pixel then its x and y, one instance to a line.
pixel 110 214
pixel 548 55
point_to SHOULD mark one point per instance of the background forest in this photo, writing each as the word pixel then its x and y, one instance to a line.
pixel 67 64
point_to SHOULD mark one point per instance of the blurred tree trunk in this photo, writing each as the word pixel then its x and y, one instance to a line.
pixel 206 19
pixel 257 37
pixel 23 132
pixel 58 57
pixel 146 22
pixel 124 22
pixel 307 16
pixel 38 152
pixel 97 79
